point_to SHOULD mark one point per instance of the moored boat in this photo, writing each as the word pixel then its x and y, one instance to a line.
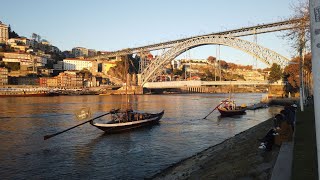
pixel 229 108
pixel 128 119
pixel 123 121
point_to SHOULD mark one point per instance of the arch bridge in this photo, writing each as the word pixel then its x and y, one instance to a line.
pixel 151 72
pixel 226 38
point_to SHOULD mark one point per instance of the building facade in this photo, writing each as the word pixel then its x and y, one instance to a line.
pixel 106 66
pixel 80 52
pixel 3 76
pixel 48 81
pixel 77 64
pixel 69 79
pixel 25 60
pixel 58 66
pixel 4 33
pixel 92 52
pixel 22 41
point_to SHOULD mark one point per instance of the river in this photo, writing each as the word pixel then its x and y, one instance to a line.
pixel 87 153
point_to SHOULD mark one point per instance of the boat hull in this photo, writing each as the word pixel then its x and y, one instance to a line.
pixel 126 126
pixel 231 112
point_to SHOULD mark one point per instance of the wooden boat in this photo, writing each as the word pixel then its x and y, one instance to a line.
pixel 123 121
pixel 128 119
pixel 229 108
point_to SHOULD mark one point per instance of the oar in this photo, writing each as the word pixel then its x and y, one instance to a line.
pixel 213 110
pixel 52 135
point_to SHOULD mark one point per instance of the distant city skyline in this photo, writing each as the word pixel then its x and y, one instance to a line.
pixel 114 25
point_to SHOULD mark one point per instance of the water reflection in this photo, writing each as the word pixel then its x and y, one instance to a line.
pixel 86 152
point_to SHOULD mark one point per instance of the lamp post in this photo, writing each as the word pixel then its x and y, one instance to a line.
pixel 301 73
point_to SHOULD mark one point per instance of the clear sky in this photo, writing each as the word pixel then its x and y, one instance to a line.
pixel 110 25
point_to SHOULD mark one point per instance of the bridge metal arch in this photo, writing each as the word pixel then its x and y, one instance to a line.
pixel 263 54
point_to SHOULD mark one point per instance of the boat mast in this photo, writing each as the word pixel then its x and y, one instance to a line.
pixel 126 74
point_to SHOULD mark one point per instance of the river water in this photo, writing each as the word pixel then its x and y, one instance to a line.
pixel 87 153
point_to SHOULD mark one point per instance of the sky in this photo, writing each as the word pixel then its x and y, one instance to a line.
pixel 110 25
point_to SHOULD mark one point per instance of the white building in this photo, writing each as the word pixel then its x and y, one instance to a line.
pixel 76 64
pixel 4 33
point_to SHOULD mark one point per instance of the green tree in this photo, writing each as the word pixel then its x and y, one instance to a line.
pixel 12 34
pixel 275 73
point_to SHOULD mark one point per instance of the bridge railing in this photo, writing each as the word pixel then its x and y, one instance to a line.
pixel 180 84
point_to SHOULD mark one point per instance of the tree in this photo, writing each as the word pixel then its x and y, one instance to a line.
pixel 291 76
pixel 12 34
pixel 300 35
pixel 275 73
pixel 211 59
pixel 291 72
pixel 223 64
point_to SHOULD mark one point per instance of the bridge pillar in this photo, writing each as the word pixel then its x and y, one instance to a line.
pixel 139 79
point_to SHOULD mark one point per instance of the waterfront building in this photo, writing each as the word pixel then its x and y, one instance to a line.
pixel 80 52
pixel 77 64
pixel 3 76
pixel 52 82
pixel 48 81
pixel 69 79
pixel 4 33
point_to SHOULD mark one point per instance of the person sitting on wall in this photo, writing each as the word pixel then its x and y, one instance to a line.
pixel 284 131
pixel 270 138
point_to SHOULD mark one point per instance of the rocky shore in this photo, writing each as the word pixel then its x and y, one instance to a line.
pixel 235 158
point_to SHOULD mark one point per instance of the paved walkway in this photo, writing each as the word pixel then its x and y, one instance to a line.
pixel 305 148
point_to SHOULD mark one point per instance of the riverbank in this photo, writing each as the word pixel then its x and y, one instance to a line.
pixel 235 158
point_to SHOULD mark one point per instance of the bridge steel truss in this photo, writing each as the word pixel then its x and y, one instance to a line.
pixel 228 38
pixel 266 55
pixel 245 31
